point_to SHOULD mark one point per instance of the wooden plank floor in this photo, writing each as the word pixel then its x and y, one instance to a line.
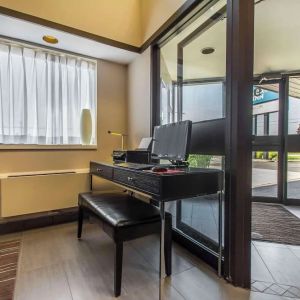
pixel 53 264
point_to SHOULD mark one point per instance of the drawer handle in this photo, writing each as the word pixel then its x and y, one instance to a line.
pixel 130 179
pixel 99 170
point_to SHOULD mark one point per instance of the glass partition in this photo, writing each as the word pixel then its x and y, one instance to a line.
pixel 293 142
pixel 193 66
pixel 265 174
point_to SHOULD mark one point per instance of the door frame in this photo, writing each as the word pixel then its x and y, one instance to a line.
pixel 273 143
pixel 283 143
pixel 239 76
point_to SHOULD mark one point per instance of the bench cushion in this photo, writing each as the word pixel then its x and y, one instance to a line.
pixel 119 209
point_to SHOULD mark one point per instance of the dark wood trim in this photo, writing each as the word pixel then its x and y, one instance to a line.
pixel 199 81
pixel 292 201
pixel 265 199
pixel 155 88
pixel 283 126
pixel 293 143
pixel 174 22
pixel 266 141
pixel 72 30
pixel 179 81
pixel 181 16
pixel 238 166
pixel 25 222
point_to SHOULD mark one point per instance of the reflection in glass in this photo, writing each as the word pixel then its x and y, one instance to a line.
pixel 264 174
pixel 293 176
pixel 192 88
pixel 294 106
pixel 260 122
pixel 198 216
pixel 273 123
pixel 202 102
pixel 265 105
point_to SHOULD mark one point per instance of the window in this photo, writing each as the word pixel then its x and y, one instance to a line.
pixel 43 94
pixel 265 108
pixel 201 102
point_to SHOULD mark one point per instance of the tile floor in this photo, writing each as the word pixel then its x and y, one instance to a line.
pixel 53 264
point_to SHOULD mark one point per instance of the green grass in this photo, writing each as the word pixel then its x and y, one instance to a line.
pixel 295 156
pixel 199 161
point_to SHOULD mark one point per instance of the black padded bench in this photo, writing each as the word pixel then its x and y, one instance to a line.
pixel 124 218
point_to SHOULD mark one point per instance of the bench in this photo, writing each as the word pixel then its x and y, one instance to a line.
pixel 124 218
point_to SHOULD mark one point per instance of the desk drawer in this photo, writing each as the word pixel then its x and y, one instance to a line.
pixel 141 182
pixel 101 170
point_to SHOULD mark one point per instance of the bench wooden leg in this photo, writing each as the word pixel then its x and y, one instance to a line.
pixel 80 221
pixel 168 246
pixel 118 267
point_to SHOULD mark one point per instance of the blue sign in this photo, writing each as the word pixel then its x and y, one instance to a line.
pixel 261 95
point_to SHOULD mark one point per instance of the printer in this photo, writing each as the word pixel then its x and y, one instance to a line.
pixel 141 155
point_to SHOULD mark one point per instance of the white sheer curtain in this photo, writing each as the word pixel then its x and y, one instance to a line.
pixel 42 96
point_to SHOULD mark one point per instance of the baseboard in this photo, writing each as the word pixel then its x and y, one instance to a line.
pixel 31 221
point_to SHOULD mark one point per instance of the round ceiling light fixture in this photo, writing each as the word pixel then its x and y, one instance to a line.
pixel 50 39
pixel 207 50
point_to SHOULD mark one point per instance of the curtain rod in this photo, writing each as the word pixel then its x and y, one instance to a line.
pixel 13 42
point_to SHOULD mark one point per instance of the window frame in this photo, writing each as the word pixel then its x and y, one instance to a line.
pixel 58 52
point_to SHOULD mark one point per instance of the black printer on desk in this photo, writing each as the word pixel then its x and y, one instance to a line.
pixel 141 155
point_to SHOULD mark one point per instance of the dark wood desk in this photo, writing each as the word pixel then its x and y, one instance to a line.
pixel 164 187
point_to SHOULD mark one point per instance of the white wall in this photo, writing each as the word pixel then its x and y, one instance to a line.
pixel 139 99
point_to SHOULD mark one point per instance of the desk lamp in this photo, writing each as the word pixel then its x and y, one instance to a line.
pixel 118 134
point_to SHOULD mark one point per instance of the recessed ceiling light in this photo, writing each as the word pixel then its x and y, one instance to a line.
pixel 50 39
pixel 207 50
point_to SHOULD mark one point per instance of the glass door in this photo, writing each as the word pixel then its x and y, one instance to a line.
pixel 293 142
pixel 266 186
pixel 192 72
pixel 276 141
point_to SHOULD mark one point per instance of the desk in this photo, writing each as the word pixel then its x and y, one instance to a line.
pixel 164 187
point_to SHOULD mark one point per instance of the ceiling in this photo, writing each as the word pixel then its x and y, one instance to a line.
pixel 277 43
pixel 27 31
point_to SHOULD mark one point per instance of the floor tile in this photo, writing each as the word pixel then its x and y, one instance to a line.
pixel 276 289
pixel 46 283
pixel 269 244
pixel 261 286
pixel 52 260
pixel 295 291
pixel 282 263
pixel 148 247
pixel 259 271
pixel 295 250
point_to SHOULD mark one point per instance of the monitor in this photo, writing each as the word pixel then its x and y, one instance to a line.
pixel 172 141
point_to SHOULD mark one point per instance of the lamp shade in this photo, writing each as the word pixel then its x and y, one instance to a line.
pixel 86 126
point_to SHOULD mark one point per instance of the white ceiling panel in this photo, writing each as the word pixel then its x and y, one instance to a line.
pixel 31 32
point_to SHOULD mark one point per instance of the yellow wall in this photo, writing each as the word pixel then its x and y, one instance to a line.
pixel 155 13
pixel 115 19
pixel 112 104
pixel 127 21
